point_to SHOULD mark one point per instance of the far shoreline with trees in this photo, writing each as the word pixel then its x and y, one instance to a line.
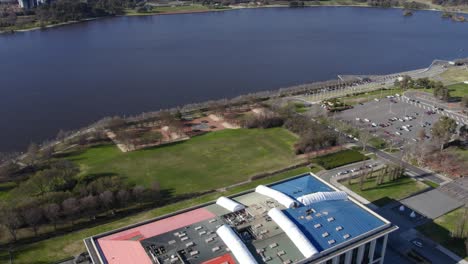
pixel 52 15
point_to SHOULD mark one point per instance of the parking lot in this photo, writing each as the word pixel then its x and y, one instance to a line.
pixel 392 119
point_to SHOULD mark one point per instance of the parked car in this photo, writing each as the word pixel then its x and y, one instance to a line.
pixel 417 243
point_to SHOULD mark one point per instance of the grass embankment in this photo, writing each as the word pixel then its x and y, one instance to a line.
pixel 431 183
pixel 441 228
pixel 5 188
pixel 457 74
pixel 340 158
pixel 458 89
pixel 365 97
pixel 54 249
pixel 206 162
pixel 387 191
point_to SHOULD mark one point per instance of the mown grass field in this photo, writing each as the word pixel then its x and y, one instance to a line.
pixel 458 74
pixel 58 248
pixel 5 189
pixel 365 97
pixel 458 89
pixel 440 229
pixel 386 192
pixel 340 158
pixel 206 162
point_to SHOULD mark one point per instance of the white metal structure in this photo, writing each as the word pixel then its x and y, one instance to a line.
pixel 322 196
pixel 235 244
pixel 282 198
pixel 229 204
pixel 293 232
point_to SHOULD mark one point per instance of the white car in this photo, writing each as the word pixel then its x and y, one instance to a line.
pixel 357 118
pixel 374 124
pixel 398 133
pixel 366 120
pixel 417 243
pixel 376 100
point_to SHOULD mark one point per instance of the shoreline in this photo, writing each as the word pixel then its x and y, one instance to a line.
pixel 231 8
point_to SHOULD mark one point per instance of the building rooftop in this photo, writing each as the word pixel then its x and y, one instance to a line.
pixel 250 230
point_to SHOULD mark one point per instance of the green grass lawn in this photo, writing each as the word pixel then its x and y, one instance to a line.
pixel 365 97
pixel 300 108
pixel 430 183
pixel 377 143
pixel 458 89
pixel 463 153
pixel 57 248
pixel 457 74
pixel 386 192
pixel 206 162
pixel 340 158
pixel 440 229
pixel 5 188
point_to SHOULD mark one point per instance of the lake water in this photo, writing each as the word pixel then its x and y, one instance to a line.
pixel 67 77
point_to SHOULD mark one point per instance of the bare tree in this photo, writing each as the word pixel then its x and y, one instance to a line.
pixel 11 219
pixel 364 137
pixel 89 204
pixel 123 197
pixel 52 213
pixel 70 208
pixel 61 135
pixel 33 216
pixel 460 229
pixel 138 193
pixel 156 189
pixel 106 199
pixel 421 134
pixel 32 154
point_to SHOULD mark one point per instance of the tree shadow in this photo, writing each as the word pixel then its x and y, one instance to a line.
pixel 68 154
pixel 94 176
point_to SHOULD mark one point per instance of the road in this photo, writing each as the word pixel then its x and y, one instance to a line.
pixel 414 171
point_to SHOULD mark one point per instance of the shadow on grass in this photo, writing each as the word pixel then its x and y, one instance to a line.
pixel 443 236
pixel 383 201
pixel 385 185
pixel 94 176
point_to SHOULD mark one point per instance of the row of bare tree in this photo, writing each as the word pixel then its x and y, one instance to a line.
pixel 35 213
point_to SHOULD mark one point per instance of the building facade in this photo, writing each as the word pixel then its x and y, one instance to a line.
pixel 299 220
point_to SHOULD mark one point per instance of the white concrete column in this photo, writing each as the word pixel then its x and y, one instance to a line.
pixel 348 257
pixel 384 247
pixel 336 260
pixel 360 253
pixel 372 250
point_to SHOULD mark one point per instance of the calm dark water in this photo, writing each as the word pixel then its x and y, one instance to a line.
pixel 65 78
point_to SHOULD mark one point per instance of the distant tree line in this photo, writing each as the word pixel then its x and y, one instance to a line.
pixel 440 91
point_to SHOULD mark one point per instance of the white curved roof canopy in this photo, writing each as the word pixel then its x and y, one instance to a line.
pixel 322 196
pixel 282 198
pixel 293 232
pixel 235 244
pixel 229 204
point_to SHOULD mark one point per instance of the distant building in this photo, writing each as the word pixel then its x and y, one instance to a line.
pixel 28 4
pixel 298 220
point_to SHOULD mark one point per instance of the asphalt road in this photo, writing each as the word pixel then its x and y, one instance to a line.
pixel 414 171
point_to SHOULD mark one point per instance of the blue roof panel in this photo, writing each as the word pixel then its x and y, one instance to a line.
pixel 331 215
